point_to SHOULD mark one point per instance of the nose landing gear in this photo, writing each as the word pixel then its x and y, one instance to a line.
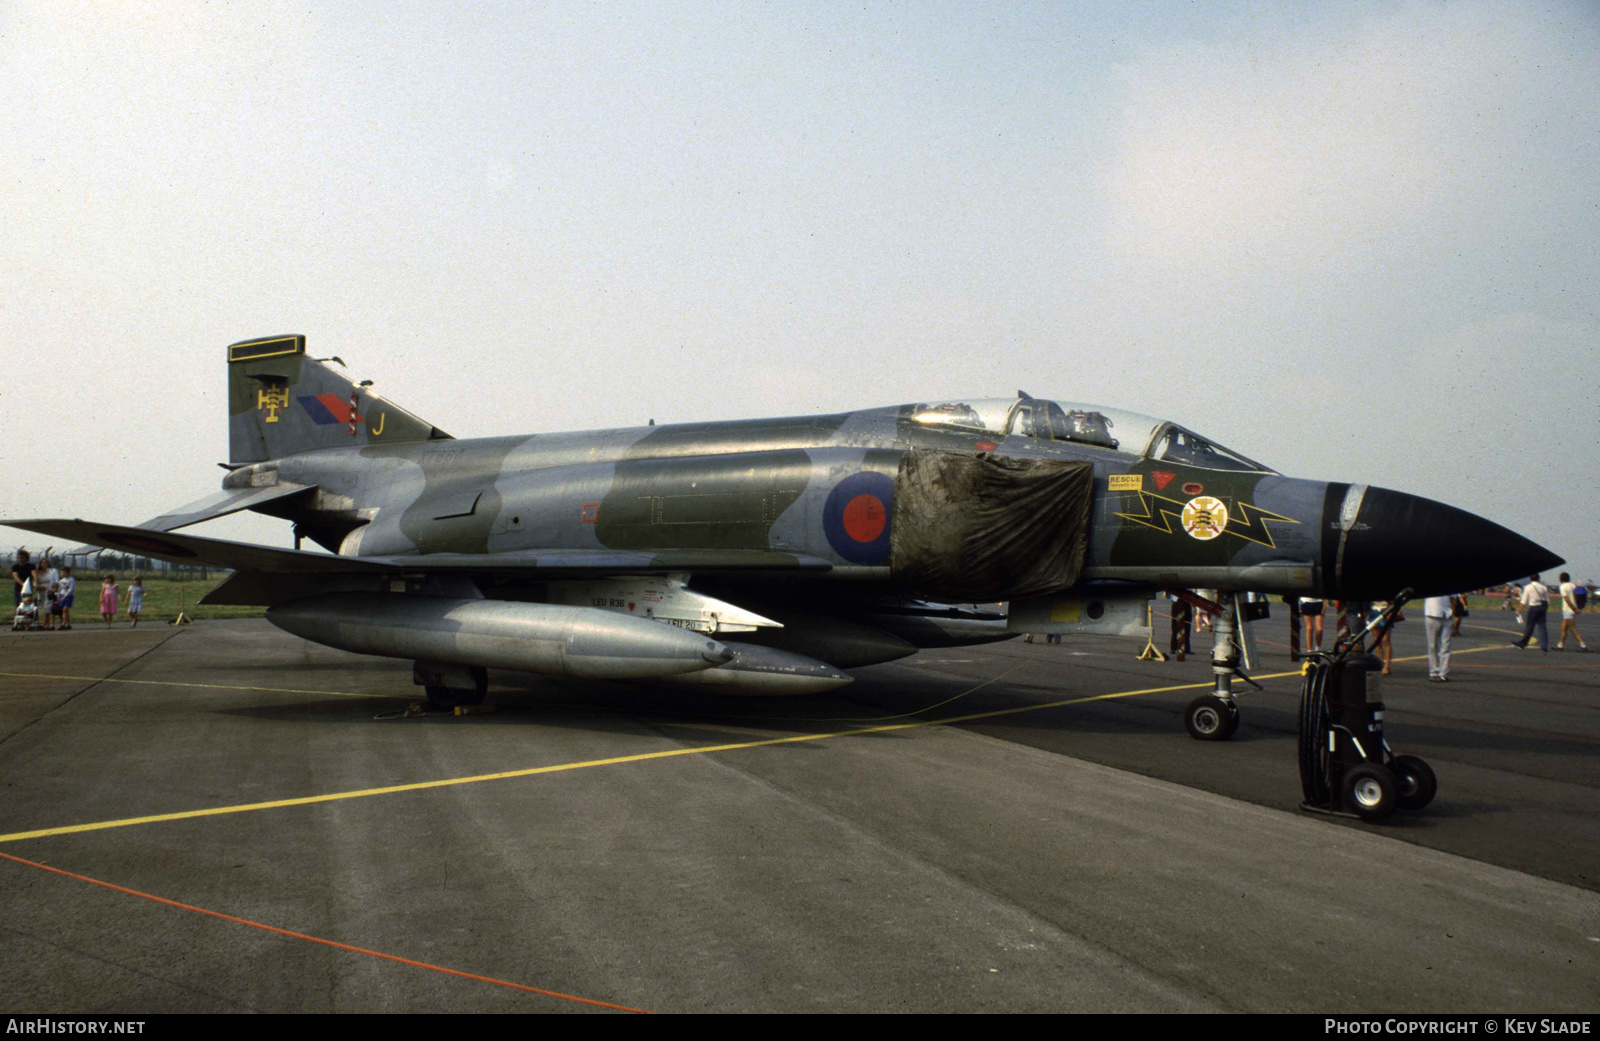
pixel 1215 716
pixel 1210 718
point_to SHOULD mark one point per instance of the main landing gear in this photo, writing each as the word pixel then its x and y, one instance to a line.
pixel 1346 767
pixel 449 686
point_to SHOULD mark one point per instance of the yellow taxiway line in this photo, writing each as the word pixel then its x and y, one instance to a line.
pixel 505 775
pixel 203 686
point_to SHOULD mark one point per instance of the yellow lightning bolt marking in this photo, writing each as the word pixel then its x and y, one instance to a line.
pixel 1250 519
pixel 1246 520
pixel 1149 517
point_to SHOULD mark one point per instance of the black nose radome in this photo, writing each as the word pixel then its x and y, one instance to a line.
pixel 1379 541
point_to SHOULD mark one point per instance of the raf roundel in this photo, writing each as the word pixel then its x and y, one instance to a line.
pixel 856 517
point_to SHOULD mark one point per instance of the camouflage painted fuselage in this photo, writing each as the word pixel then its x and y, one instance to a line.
pixel 1169 508
pixel 803 545
pixel 774 485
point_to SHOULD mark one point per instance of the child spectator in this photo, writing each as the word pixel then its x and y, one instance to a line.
pixel 27 615
pixel 68 588
pixel 135 600
pixel 108 599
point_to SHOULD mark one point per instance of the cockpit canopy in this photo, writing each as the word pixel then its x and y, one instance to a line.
pixel 1114 429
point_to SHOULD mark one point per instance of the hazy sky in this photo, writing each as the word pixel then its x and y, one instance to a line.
pixel 1356 241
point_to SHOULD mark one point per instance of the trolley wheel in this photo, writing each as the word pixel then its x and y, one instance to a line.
pixel 1418 785
pixel 1209 718
pixel 1371 790
pixel 449 697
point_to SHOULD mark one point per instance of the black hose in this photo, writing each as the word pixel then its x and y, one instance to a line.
pixel 1314 781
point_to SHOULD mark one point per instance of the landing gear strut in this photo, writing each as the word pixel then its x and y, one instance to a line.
pixel 1215 716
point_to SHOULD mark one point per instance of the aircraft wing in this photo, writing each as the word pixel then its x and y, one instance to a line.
pixel 578 563
pixel 192 549
pixel 547 563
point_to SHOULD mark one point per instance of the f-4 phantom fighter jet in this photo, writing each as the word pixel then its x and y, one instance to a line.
pixel 767 556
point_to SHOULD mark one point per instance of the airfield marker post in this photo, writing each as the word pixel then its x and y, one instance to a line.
pixel 1150 652
pixel 183 618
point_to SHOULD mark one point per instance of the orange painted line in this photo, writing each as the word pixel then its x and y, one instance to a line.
pixel 326 943
pixel 1526 668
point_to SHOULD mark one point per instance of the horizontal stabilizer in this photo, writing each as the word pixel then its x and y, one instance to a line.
pixel 217 504
pixel 220 504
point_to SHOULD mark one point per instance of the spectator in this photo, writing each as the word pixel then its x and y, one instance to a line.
pixel 45 578
pixel 1437 623
pixel 27 616
pixel 135 600
pixel 1382 646
pixel 1311 611
pixel 21 573
pixel 1535 602
pixel 1569 614
pixel 68 589
pixel 108 598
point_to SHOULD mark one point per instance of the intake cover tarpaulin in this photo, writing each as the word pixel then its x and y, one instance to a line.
pixel 978 529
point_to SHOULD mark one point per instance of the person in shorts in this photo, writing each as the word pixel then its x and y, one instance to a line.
pixel 1382 645
pixel 1311 611
pixel 1569 614
pixel 67 589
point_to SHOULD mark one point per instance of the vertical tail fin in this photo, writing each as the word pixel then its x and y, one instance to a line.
pixel 281 402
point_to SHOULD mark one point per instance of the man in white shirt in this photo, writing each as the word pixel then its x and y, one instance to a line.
pixel 1438 623
pixel 1535 602
pixel 1569 614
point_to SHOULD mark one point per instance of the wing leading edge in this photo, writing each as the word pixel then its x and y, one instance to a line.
pixel 546 563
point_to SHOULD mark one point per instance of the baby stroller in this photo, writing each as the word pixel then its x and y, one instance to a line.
pixel 27 616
